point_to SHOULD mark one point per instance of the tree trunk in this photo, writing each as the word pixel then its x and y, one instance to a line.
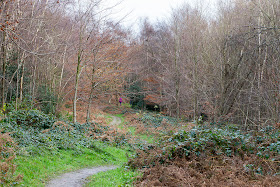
pixel 17 88
pixel 76 86
pixel 91 94
pixel 62 71
pixel 195 89
pixel 21 83
pixel 34 84
pixel 259 71
pixel 4 59
pixel 177 75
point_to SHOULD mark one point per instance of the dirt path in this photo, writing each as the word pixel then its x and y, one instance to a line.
pixel 77 178
pixel 116 120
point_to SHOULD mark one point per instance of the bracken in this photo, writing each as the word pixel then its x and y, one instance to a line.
pixel 7 156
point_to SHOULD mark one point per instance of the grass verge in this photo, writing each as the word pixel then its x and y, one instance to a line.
pixel 149 138
pixel 37 170
pixel 118 177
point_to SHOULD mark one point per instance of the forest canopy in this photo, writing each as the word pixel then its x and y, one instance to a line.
pixel 227 67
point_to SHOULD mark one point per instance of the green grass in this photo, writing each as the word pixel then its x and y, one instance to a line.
pixel 144 136
pixel 121 126
pixel 132 130
pixel 149 138
pixel 126 105
pixel 120 116
pixel 37 170
pixel 117 177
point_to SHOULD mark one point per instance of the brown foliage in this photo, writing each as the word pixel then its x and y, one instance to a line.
pixel 7 156
pixel 62 125
pixel 163 169
pixel 205 172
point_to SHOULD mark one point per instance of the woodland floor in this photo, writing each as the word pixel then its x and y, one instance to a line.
pixel 191 170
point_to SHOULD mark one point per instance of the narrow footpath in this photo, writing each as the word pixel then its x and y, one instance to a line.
pixel 77 178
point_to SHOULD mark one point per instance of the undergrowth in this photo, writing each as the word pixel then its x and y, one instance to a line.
pixel 211 155
pixel 151 127
pixel 171 153
pixel 36 132
pixel 7 166
pixel 46 147
pixel 156 119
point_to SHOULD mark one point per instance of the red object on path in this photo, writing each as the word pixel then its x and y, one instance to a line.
pixel 120 100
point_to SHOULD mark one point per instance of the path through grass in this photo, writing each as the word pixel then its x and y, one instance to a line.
pixel 37 170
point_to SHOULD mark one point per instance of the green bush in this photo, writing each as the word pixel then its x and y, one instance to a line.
pixel 25 104
pixel 155 119
pixel 228 141
pixel 31 118
pixel 48 100
pixel 36 132
pixel 59 136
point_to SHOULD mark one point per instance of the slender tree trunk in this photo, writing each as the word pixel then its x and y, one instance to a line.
pixel 195 89
pixel 76 86
pixel 62 70
pixel 21 83
pixel 259 72
pixel 34 82
pixel 4 59
pixel 17 89
pixel 249 101
pixel 177 75
pixel 224 77
pixel 89 104
pixel 91 93
pixel 177 98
